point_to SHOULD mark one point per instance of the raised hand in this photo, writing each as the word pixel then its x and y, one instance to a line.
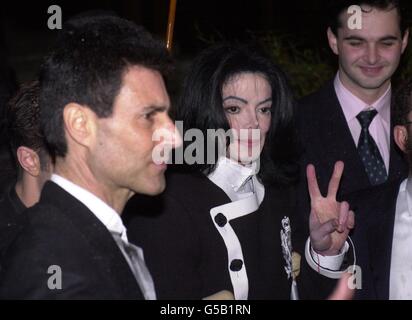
pixel 330 221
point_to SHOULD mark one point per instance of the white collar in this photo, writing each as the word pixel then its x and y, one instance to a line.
pixel 106 214
pixel 352 105
pixel 232 174
pixel 406 186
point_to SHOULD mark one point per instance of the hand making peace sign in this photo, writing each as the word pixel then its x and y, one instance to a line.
pixel 330 221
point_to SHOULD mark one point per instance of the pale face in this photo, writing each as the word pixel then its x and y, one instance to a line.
pixel 247 102
pixel 123 152
pixel 369 57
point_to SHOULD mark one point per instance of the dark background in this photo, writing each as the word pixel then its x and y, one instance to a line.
pixel 293 31
pixel 25 38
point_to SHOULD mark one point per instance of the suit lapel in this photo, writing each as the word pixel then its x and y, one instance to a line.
pixel 337 142
pixel 106 252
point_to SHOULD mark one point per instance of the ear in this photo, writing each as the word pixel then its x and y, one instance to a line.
pixel 405 40
pixel 333 41
pixel 80 123
pixel 29 160
pixel 400 134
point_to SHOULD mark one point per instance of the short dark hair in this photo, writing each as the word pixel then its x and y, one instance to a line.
pixel 87 65
pixel 336 7
pixel 23 123
pixel 402 103
pixel 201 106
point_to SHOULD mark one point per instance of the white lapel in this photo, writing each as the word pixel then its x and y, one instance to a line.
pixel 221 216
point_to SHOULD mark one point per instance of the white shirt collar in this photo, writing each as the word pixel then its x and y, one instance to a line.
pixel 232 174
pixel 106 214
pixel 352 105
pixel 407 186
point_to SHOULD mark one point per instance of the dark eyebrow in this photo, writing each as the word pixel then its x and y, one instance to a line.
pixel 155 109
pixel 354 38
pixel 388 38
pixel 385 38
pixel 235 98
pixel 264 101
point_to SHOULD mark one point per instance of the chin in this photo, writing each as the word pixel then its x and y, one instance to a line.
pixel 155 187
pixel 372 83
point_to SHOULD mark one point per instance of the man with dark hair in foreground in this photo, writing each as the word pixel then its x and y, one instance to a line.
pixel 102 98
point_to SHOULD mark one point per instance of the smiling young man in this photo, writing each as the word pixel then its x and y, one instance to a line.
pixel 368 57
pixel 383 232
pixel 102 97
pixel 349 119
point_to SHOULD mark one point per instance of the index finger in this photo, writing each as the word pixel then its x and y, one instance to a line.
pixel 313 186
pixel 335 179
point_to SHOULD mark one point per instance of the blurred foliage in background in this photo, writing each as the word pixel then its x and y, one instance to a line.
pixel 308 68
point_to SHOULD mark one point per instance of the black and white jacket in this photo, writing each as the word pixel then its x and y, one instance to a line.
pixel 198 239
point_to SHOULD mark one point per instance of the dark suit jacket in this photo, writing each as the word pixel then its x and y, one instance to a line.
pixel 10 206
pixel 61 231
pixel 186 254
pixel 11 219
pixel 326 138
pixel 373 234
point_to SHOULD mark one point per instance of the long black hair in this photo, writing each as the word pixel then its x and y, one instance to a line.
pixel 200 106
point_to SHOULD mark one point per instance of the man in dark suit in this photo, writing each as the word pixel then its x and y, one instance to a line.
pixel 31 159
pixel 102 99
pixel 349 118
pixel 389 236
pixel 382 235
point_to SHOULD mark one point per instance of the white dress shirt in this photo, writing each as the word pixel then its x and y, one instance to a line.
pixel 328 266
pixel 379 128
pixel 111 220
pixel 401 260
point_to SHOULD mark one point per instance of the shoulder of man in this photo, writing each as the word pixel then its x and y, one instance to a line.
pixel 46 242
pixel 312 99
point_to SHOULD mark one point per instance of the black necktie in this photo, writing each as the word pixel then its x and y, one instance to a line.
pixel 368 150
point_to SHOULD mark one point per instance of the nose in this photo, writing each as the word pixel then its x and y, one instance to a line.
pixel 252 121
pixel 172 136
pixel 167 137
pixel 372 54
